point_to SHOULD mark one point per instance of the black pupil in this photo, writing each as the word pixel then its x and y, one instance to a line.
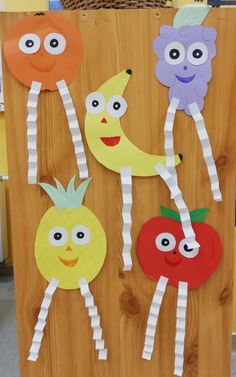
pixel 197 54
pixel 116 105
pixel 165 242
pixel 80 235
pixel 187 249
pixel 57 236
pixel 54 43
pixel 29 43
pixel 95 103
pixel 174 53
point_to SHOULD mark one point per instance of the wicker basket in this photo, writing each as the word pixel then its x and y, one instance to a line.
pixel 112 4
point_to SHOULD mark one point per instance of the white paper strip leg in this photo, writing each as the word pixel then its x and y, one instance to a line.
pixel 95 319
pixel 180 204
pixel 207 151
pixel 32 131
pixel 74 129
pixel 153 318
pixel 42 317
pixel 126 187
pixel 180 328
pixel 169 142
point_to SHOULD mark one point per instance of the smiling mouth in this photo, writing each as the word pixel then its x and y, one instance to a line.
pixel 185 79
pixel 42 67
pixel 172 263
pixel 69 262
pixel 111 141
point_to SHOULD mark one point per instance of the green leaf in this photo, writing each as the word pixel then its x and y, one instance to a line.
pixel 197 215
pixel 192 14
pixel 169 213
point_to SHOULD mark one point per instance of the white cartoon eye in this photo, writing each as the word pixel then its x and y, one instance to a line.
pixel 58 236
pixel 95 103
pixel 55 43
pixel 197 53
pixel 80 235
pixel 116 106
pixel 165 242
pixel 186 251
pixel 29 43
pixel 174 53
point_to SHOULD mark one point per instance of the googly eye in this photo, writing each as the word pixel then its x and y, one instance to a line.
pixel 80 235
pixel 116 106
pixel 165 242
pixel 186 251
pixel 197 53
pixel 174 53
pixel 95 103
pixel 55 43
pixel 58 236
pixel 29 43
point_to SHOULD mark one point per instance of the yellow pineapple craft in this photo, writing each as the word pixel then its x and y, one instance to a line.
pixel 70 250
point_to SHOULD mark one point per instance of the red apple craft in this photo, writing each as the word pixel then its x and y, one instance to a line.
pixel 165 257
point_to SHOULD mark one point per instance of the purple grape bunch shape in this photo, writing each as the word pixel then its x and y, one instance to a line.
pixel 185 62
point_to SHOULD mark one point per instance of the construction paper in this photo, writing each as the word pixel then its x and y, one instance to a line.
pixel 192 14
pixel 24 5
pixel 74 129
pixel 153 318
pixel 126 186
pixel 44 47
pixel 180 328
pixel 42 317
pixel 95 319
pixel 178 262
pixel 104 134
pixel 32 131
pixel 207 150
pixel 70 242
pixel 180 204
pixel 185 57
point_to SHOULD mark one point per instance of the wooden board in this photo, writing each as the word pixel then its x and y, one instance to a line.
pixel 115 40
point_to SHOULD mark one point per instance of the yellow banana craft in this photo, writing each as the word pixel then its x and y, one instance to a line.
pixel 104 134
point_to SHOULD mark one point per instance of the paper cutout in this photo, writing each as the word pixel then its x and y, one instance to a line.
pixel 32 131
pixel 153 318
pixel 126 182
pixel 70 250
pixel 180 204
pixel 207 151
pixel 46 60
pixel 192 14
pixel 95 319
pixel 74 129
pixel 180 328
pixel 185 56
pixel 112 149
pixel 42 317
pixel 165 257
pixel 46 48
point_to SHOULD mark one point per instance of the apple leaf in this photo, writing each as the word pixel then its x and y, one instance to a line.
pixel 196 216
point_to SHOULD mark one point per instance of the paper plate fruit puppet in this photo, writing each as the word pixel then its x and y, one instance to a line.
pixel 44 51
pixel 185 52
pixel 111 147
pixel 70 250
pixel 166 258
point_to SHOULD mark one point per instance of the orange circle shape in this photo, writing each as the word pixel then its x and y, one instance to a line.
pixel 45 47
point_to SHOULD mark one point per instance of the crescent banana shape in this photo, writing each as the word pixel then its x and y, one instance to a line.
pixel 104 133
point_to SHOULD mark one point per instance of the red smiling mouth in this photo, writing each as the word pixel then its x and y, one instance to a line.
pixel 172 262
pixel 111 141
pixel 42 65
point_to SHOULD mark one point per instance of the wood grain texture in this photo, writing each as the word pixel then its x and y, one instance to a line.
pixel 115 40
